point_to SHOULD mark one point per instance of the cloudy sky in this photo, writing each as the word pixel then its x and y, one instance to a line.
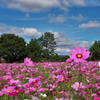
pixel 73 22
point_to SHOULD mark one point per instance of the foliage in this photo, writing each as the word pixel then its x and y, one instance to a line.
pixel 12 48
pixel 58 58
pixel 95 51
pixel 48 44
pixel 63 58
pixel 55 58
pixel 34 50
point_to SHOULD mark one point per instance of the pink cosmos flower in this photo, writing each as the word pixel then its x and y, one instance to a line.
pixel 7 77
pixel 28 62
pixel 8 90
pixel 26 85
pixel 69 60
pixel 15 92
pixel 42 90
pixel 32 88
pixel 79 54
pixel 61 99
pixel 96 98
pixel 35 80
pixel 60 78
pixel 1 93
pixel 97 85
pixel 13 82
pixel 77 85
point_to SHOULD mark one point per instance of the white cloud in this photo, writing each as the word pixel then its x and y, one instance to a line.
pixel 90 24
pixel 77 2
pixel 93 2
pixel 65 44
pixel 62 51
pixel 57 19
pixel 44 5
pixel 32 5
pixel 40 5
pixel 28 32
pixel 79 18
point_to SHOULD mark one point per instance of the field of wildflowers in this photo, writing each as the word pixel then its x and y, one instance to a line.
pixel 74 79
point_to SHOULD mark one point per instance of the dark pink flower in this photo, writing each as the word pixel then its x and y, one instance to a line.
pixel 96 98
pixel 19 90
pixel 12 94
pixel 79 54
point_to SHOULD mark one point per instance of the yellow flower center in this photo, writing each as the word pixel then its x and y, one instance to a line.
pixel 34 81
pixel 8 91
pixel 77 86
pixel 17 91
pixel 79 56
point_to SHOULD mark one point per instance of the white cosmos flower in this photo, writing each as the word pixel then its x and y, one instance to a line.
pixel 99 63
pixel 43 95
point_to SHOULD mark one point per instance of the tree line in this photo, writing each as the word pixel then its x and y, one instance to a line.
pixel 14 48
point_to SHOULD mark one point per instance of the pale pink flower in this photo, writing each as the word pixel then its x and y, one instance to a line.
pixel 13 82
pixel 60 78
pixel 77 86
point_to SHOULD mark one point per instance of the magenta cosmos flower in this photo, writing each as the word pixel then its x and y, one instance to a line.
pixel 96 98
pixel 28 62
pixel 79 54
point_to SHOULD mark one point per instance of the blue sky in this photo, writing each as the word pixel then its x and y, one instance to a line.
pixel 73 22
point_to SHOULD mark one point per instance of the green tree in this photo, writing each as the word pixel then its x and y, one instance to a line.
pixel 34 50
pixel 63 58
pixel 95 51
pixel 48 44
pixel 55 58
pixel 12 48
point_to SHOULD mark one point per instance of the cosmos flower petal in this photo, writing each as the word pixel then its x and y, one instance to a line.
pixel 79 60
pixel 77 49
pixel 73 51
pixel 72 57
pixel 83 49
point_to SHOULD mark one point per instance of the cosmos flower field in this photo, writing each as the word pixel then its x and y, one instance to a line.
pixel 74 79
